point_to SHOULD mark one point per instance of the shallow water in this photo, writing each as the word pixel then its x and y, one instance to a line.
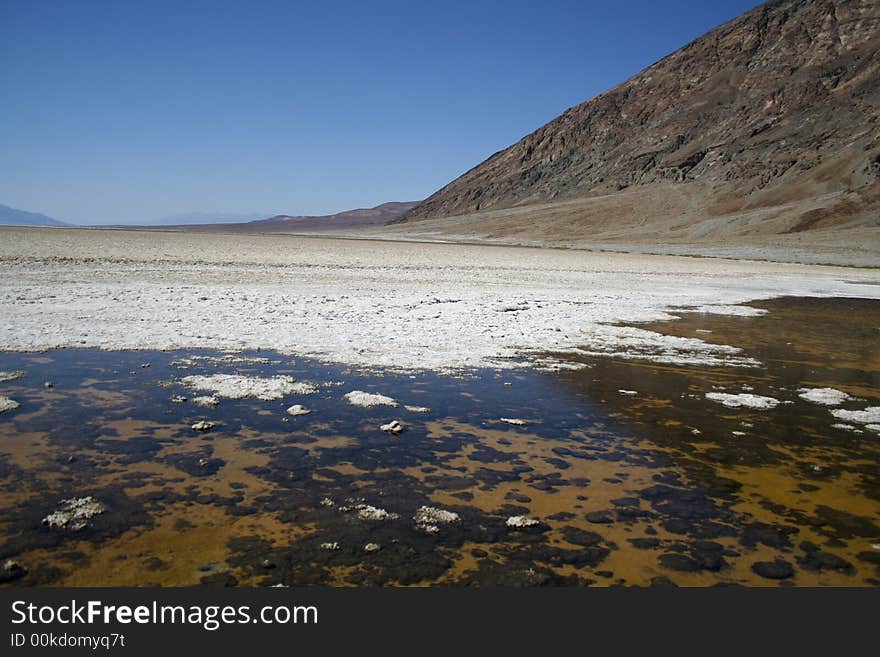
pixel 625 491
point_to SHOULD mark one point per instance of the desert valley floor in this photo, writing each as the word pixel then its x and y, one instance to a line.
pixel 178 409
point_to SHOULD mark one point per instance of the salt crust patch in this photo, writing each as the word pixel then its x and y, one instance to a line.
pixel 555 365
pixel 824 396
pixel 234 386
pixel 743 400
pixel 870 415
pixel 738 311
pixel 7 404
pixel 400 306
pixel 429 518
pixel 638 344
pixel 521 522
pixel 10 376
pixel 74 513
pixel 368 400
pixel 227 359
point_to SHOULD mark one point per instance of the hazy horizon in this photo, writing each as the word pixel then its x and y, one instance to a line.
pixel 127 114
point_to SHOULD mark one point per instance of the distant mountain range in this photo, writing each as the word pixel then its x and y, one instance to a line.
pixel 359 218
pixel 208 218
pixel 768 126
pixel 347 220
pixel 243 223
pixel 14 217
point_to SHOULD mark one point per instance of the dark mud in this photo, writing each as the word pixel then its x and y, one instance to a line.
pixel 659 488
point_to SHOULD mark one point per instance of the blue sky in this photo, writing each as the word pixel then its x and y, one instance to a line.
pixel 126 112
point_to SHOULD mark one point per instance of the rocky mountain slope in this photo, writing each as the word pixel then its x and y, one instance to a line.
pixel 767 125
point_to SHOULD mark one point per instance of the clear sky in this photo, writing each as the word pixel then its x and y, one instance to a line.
pixel 128 111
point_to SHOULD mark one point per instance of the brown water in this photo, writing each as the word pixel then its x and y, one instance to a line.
pixel 625 490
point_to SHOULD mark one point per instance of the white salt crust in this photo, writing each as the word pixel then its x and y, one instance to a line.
pixel 870 415
pixel 823 396
pixel 402 306
pixel 743 400
pixel 235 386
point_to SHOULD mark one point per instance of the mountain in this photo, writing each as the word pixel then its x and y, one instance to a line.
pixel 350 219
pixel 207 218
pixel 359 218
pixel 766 126
pixel 13 217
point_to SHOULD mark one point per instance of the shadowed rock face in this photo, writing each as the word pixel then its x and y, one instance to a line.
pixel 775 107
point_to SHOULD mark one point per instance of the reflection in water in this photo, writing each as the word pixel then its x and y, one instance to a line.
pixel 653 485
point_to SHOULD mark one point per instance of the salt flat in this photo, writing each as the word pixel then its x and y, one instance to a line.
pixel 403 305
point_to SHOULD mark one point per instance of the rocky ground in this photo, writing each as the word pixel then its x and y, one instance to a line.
pixel 373 303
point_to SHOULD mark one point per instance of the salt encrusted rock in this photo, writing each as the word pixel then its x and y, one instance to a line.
pixel 298 409
pixel 178 399
pixel 11 376
pixel 745 400
pixel 870 415
pixel 873 427
pixel 372 547
pixel 202 425
pixel 206 401
pixel 11 570
pixel 330 546
pixel 364 511
pixel 521 522
pixel 628 392
pixel 368 512
pixel 845 427
pixel 394 427
pixel 824 396
pixel 234 386
pixel 513 420
pixel 74 513
pixel 7 404
pixel 429 518
pixel 368 400
pixel 327 502
pixel 417 409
